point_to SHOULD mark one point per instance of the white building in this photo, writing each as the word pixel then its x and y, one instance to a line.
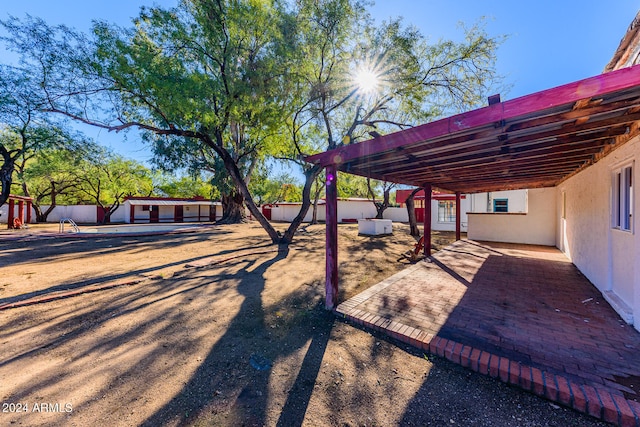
pixel 170 209
pixel 349 210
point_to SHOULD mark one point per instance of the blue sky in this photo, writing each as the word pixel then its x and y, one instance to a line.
pixel 550 42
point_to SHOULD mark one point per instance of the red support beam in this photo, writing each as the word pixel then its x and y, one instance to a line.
pixel 457 215
pixel 331 282
pixel 21 210
pixel 10 214
pixel 132 214
pixel 427 220
pixel 28 221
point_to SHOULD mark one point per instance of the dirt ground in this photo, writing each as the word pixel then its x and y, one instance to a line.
pixel 218 327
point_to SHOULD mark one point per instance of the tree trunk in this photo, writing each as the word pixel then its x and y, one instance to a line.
pixel 108 212
pixel 381 207
pixel 314 212
pixel 42 216
pixel 243 190
pixel 6 173
pixel 310 176
pixel 413 222
pixel 107 215
pixel 316 197
pixel 233 208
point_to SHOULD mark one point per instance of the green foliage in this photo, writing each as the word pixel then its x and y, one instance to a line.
pixel 282 188
pixel 205 71
pixel 106 179
pixel 186 187
pixel 24 129
pixel 415 81
pixel 352 186
pixel 51 173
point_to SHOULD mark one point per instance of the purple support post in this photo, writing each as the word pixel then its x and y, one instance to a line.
pixel 10 214
pixel 28 220
pixel 331 283
pixel 427 219
pixel 457 215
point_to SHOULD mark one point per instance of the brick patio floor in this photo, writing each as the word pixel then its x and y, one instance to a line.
pixel 521 313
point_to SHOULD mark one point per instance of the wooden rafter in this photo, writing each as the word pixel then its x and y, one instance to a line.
pixel 534 141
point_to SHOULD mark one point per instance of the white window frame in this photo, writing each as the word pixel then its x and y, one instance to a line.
pixel 446 211
pixel 622 197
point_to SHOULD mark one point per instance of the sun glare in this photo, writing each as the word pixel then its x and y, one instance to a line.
pixel 367 81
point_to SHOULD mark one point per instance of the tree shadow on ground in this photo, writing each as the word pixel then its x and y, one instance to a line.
pixel 231 385
pixel 211 346
pixel 44 251
pixel 230 381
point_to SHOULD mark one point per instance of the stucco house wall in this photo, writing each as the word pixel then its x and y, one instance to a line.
pixel 536 227
pixel 396 214
pixel 192 211
pixel 79 213
pixel 363 209
pixel 348 210
pixel 353 209
pixel 286 212
pixel 608 257
pixel 483 202
pixel 118 215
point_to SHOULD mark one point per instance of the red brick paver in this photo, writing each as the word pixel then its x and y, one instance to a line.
pixel 520 313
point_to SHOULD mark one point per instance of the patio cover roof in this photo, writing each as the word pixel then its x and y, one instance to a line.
pixel 533 141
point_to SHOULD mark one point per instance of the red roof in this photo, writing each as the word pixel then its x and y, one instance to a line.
pixel 402 195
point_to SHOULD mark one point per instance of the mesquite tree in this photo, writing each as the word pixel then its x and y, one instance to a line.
pixel 24 129
pixel 50 174
pixel 106 179
pixel 243 80
pixel 358 80
pixel 186 73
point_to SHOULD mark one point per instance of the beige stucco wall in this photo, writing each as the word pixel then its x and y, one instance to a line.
pixel 483 202
pixel 287 212
pixel 355 209
pixel 536 227
pixel 606 256
pixel 347 209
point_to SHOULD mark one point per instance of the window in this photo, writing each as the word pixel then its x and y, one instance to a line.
pixel 501 205
pixel 564 205
pixel 446 211
pixel 622 209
